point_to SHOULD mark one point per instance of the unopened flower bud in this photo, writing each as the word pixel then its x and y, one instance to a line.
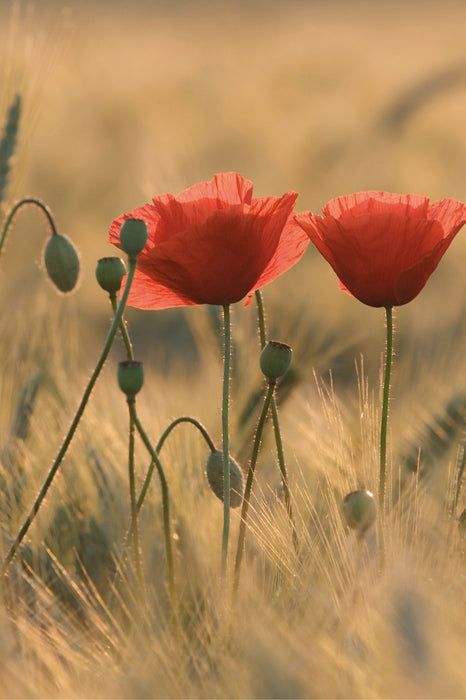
pixel 130 377
pixel 215 478
pixel 133 236
pixel 360 510
pixel 61 262
pixel 275 359
pixel 109 273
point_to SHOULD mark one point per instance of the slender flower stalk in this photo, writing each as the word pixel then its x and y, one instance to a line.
pixel 156 463
pixel 123 330
pixel 225 436
pixel 186 419
pixel 283 472
pixel 165 500
pixel 276 426
pixel 18 205
pixel 249 482
pixel 69 436
pixel 161 442
pixel 260 318
pixel 385 405
pixel 132 493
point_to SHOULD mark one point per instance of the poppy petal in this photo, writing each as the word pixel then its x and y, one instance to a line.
pixel 212 244
pixel 219 263
pixel 449 212
pixel 195 204
pixel 373 202
pixel 368 252
pixel 412 280
pixel 291 246
pixel 147 294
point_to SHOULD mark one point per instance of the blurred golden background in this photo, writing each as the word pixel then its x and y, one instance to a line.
pixel 125 100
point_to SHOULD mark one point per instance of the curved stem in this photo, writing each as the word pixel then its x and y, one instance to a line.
pixel 385 404
pixel 132 494
pixel 225 436
pixel 165 434
pixel 155 462
pixel 18 205
pixel 123 329
pixel 276 427
pixel 186 419
pixel 249 481
pixel 165 501
pixel 69 436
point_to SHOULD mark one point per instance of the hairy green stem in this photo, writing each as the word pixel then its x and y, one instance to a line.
pixel 123 330
pixel 283 472
pixel 165 497
pixel 165 434
pixel 132 494
pixel 18 205
pixel 260 317
pixel 249 482
pixel 165 501
pixel 69 436
pixel 385 404
pixel 276 427
pixel 225 436
pixel 186 419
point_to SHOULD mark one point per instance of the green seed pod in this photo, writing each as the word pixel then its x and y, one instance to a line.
pixel 215 478
pixel 275 359
pixel 130 377
pixel 360 510
pixel 462 525
pixel 133 236
pixel 109 273
pixel 61 262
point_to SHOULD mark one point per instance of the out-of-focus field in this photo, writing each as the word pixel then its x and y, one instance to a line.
pixel 125 100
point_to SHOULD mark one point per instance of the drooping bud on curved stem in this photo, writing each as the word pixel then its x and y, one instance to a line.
pixel 61 261
pixel 60 256
pixel 74 424
pixel 214 471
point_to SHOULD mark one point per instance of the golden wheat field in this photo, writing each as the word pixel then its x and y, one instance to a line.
pixel 125 100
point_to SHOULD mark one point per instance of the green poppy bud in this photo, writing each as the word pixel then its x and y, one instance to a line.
pixel 462 525
pixel 109 273
pixel 133 236
pixel 215 478
pixel 360 510
pixel 130 377
pixel 275 359
pixel 61 262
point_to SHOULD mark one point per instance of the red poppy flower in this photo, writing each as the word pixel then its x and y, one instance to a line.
pixel 214 243
pixel 384 246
